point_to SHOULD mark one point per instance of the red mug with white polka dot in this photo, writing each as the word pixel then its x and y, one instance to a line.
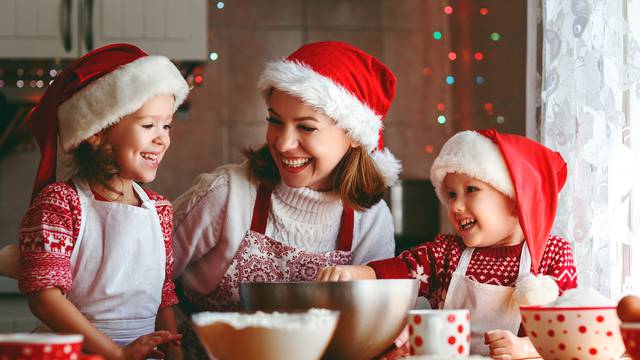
pixel 439 332
pixel 40 346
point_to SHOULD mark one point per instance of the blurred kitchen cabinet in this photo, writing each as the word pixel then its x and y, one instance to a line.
pixel 69 28
pixel 39 28
pixel 177 29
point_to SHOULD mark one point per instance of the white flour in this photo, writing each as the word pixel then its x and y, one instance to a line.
pixel 288 321
pixel 581 296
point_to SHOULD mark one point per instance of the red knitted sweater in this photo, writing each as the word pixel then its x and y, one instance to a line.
pixel 434 263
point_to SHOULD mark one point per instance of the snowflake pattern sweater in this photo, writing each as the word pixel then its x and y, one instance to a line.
pixel 49 232
pixel 434 263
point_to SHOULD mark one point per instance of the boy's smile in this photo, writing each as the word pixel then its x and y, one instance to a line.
pixel 483 216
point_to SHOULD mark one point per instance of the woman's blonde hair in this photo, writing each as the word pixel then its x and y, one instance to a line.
pixel 355 178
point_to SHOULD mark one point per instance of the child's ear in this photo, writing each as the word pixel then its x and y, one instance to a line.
pixel 95 140
pixel 354 144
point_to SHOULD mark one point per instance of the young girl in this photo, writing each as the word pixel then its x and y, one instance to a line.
pixel 310 197
pixel 96 249
pixel 501 194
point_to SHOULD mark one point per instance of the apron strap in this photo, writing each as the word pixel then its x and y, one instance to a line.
pixel 345 236
pixel 525 260
pixel 262 206
pixel 261 209
pixel 463 263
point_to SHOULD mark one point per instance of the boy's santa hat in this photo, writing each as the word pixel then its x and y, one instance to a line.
pixel 348 85
pixel 522 169
pixel 95 92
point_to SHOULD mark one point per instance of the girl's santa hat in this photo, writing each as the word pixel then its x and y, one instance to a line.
pixel 350 86
pixel 522 169
pixel 95 92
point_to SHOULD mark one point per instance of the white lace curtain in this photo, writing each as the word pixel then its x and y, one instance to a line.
pixel 590 71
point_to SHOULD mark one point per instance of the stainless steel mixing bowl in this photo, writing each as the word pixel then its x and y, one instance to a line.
pixel 372 312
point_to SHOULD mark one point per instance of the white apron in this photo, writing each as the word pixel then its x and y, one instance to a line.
pixel 491 306
pixel 118 265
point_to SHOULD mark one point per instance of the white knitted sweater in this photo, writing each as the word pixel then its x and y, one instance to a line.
pixel 212 217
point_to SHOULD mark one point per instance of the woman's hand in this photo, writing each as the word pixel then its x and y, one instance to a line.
pixel 144 347
pixel 504 345
pixel 346 273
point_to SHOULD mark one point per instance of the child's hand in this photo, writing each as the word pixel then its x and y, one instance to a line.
pixel 172 350
pixel 504 345
pixel 144 346
pixel 345 273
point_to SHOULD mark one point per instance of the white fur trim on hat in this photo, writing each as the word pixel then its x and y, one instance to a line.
pixel 361 122
pixel 121 92
pixel 475 155
pixel 387 164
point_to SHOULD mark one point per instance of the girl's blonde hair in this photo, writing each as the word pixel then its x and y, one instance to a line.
pixel 355 178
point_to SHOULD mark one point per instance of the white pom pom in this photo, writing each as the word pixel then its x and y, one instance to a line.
pixel 388 165
pixel 535 290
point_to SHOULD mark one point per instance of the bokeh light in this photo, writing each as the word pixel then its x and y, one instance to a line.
pixel 452 56
pixel 437 35
pixel 428 149
pixel 442 119
pixel 450 80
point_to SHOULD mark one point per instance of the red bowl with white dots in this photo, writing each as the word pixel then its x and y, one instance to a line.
pixel 631 337
pixel 40 346
pixel 574 333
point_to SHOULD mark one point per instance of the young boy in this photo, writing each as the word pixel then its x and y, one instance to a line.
pixel 501 193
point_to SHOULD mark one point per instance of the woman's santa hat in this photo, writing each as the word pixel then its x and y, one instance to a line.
pixel 522 169
pixel 95 92
pixel 348 85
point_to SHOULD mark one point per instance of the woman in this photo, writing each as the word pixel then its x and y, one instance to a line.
pixel 310 197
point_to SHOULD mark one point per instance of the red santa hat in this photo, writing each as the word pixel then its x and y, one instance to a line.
pixel 348 85
pixel 522 169
pixel 95 92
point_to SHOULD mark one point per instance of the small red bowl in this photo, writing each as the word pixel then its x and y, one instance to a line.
pixel 40 346
pixel 631 337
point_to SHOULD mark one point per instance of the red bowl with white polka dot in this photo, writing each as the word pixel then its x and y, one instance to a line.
pixel 574 333
pixel 40 346
pixel 631 337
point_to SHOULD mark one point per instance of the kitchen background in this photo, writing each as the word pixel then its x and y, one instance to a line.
pixel 460 65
